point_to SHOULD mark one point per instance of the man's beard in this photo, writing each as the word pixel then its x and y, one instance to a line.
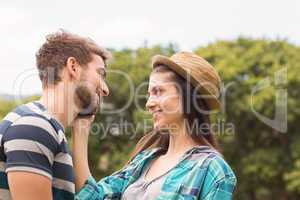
pixel 86 100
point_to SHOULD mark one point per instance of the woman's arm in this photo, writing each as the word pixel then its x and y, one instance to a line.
pixel 110 187
pixel 221 189
pixel 80 133
pixel 220 181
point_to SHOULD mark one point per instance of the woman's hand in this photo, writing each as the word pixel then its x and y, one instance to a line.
pixel 80 132
pixel 82 125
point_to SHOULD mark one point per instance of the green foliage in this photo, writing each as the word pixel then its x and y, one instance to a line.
pixel 265 160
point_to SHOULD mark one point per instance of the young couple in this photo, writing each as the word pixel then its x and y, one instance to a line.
pixel 178 159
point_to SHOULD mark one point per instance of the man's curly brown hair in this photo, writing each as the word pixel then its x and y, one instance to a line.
pixel 51 58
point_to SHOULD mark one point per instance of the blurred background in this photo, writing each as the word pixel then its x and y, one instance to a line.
pixel 254 45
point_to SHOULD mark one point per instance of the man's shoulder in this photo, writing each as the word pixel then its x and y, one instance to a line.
pixel 32 116
pixel 25 125
pixel 23 110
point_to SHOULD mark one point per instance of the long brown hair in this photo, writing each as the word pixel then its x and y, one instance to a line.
pixel 191 113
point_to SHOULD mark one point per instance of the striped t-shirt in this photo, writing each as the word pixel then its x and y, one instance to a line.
pixel 31 140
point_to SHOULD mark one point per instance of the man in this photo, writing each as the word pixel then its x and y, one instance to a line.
pixel 34 158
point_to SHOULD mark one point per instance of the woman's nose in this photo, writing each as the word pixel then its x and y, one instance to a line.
pixel 151 103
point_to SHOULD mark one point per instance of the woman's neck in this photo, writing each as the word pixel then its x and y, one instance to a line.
pixel 180 141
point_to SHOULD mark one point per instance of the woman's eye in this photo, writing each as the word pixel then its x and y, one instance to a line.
pixel 157 91
pixel 160 90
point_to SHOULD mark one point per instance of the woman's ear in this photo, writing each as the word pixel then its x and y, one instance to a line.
pixel 73 68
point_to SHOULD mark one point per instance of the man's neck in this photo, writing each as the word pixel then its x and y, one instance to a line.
pixel 58 104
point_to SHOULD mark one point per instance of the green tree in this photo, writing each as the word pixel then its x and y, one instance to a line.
pixel 265 160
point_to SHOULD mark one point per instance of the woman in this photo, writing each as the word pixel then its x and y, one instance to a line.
pixel 179 159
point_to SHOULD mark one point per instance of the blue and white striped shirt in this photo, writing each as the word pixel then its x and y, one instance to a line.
pixel 31 140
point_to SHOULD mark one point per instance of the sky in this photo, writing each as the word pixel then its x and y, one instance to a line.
pixel 119 24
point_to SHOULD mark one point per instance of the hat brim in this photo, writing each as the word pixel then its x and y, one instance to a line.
pixel 157 60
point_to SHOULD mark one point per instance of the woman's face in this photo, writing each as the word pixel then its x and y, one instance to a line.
pixel 164 101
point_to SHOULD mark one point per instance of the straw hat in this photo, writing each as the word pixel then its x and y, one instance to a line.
pixel 198 71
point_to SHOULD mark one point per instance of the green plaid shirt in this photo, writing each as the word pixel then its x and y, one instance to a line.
pixel 201 173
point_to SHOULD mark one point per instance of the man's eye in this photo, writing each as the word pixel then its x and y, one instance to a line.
pixel 102 76
pixel 102 73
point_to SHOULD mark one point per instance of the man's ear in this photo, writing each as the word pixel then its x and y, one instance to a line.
pixel 73 68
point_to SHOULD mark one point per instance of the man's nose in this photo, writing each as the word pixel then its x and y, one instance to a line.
pixel 104 91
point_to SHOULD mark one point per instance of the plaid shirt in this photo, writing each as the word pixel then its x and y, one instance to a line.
pixel 200 174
